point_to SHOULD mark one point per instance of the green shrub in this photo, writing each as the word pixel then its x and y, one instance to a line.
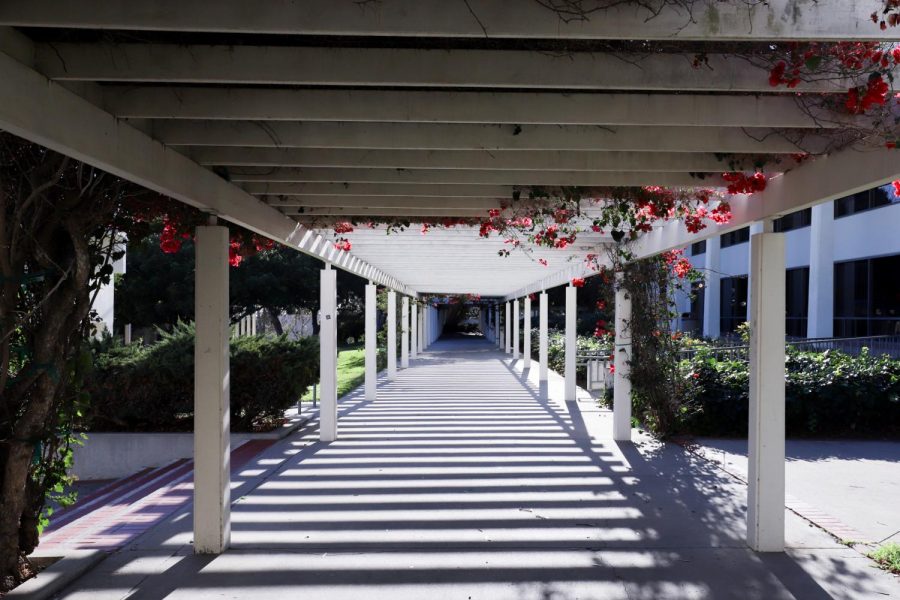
pixel 151 388
pixel 826 394
pixel 556 350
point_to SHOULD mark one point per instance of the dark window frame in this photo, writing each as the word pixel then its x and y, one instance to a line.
pixel 733 238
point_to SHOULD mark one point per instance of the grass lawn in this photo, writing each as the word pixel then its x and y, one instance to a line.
pixel 351 371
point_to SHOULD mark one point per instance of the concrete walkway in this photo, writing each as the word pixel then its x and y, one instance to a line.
pixel 853 483
pixel 463 481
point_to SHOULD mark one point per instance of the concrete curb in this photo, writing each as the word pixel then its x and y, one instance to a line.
pixel 71 566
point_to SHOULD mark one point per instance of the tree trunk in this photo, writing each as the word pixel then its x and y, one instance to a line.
pixel 276 322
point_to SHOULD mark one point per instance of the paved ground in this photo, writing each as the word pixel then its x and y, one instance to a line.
pixel 463 481
pixel 857 482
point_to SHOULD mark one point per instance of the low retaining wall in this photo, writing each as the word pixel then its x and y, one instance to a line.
pixel 115 455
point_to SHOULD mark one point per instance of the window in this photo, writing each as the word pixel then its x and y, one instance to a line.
pixel 797 301
pixel 734 303
pixel 698 248
pixel 867 297
pixel 874 198
pixel 797 220
pixel 692 321
pixel 735 237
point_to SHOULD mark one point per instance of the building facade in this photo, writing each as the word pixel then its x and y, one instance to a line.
pixel 843 271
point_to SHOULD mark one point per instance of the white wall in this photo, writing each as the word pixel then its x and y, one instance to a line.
pixel 105 302
pixel 867 234
pixel 863 235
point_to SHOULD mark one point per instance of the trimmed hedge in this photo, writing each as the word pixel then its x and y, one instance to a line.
pixel 828 394
pixel 151 388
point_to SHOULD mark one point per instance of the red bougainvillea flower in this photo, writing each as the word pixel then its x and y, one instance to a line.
pixel 682 267
pixel 343 227
pixel 601 304
pixel 578 282
pixel 343 244
pixel 740 183
pixel 169 240
pixel 896 185
pixel 234 253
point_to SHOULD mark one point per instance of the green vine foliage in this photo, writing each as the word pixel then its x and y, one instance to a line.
pixel 661 395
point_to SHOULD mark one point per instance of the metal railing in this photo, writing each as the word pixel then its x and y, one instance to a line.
pixel 596 364
pixel 877 345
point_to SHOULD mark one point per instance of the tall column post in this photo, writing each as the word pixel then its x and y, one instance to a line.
pixel 571 341
pixel 712 289
pixel 414 331
pixel 497 337
pixel 212 439
pixel 391 335
pixel 515 333
pixel 543 342
pixel 404 333
pixel 328 355
pixel 507 330
pixel 371 346
pixel 765 492
pixel 526 344
pixel 820 322
pixel 421 329
pixel 621 363
pixel 755 227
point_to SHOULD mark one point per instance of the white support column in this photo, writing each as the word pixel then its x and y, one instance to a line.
pixel 621 377
pixel 497 338
pixel 821 272
pixel 212 439
pixel 516 334
pixel 712 289
pixel 371 352
pixel 421 329
pixel 526 344
pixel 571 341
pixel 426 320
pixel 404 333
pixel 328 355
pixel 507 331
pixel 414 331
pixel 755 227
pixel 391 335
pixel 543 345
pixel 765 495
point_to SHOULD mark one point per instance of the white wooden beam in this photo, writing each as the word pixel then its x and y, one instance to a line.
pixel 277 181
pixel 291 65
pixel 708 19
pixel 521 160
pixel 50 115
pixel 348 212
pixel 434 106
pixel 468 136
pixel 346 203
pixel 827 178
pixel 358 194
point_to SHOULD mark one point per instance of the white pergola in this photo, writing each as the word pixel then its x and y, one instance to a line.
pixel 266 115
